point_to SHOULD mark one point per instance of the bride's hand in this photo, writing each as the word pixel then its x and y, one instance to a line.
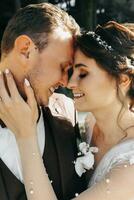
pixel 19 116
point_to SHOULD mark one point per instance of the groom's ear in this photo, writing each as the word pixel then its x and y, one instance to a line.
pixel 23 45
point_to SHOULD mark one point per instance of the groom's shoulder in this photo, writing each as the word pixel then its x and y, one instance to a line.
pixel 62 108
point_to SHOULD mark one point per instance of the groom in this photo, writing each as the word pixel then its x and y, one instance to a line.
pixel 38 45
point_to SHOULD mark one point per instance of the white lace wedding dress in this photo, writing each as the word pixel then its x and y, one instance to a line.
pixel 113 178
pixel 120 155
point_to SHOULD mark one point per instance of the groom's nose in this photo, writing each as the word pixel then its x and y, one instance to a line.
pixel 64 80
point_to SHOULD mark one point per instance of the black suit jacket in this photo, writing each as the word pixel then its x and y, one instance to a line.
pixel 59 153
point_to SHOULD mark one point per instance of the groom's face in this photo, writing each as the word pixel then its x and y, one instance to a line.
pixel 49 68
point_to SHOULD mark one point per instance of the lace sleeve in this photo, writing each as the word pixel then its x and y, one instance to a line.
pixel 121 153
pixel 36 181
pixel 117 184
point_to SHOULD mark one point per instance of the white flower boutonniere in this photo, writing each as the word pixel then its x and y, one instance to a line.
pixel 86 159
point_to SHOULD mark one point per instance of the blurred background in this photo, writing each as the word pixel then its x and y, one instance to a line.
pixel 88 13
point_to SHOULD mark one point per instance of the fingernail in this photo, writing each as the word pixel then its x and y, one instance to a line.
pixel 7 71
pixel 26 82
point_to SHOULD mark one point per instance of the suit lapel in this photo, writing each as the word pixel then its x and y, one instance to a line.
pixel 10 186
pixel 65 147
pixel 3 193
pixel 51 153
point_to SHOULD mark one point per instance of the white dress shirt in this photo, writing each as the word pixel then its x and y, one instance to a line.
pixel 9 152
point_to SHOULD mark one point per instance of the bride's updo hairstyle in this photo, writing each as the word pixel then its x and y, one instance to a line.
pixel 112 46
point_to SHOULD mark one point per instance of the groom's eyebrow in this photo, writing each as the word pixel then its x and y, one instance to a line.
pixel 80 65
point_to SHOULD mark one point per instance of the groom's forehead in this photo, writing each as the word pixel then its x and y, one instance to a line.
pixel 62 50
pixel 60 36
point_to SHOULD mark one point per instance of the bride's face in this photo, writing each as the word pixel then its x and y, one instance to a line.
pixel 93 88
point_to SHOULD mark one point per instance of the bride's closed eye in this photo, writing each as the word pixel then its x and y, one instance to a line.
pixel 83 75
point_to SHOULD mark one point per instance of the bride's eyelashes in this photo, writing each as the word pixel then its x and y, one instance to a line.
pixel 83 75
pixel 83 72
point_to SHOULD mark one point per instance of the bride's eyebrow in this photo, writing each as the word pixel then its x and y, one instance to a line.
pixel 80 65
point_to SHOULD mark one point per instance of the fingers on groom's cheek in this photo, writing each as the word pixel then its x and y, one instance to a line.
pixel 1 80
pixel 6 81
pixel 3 89
pixel 9 76
pixel 12 86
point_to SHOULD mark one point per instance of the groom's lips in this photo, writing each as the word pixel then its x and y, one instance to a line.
pixel 52 89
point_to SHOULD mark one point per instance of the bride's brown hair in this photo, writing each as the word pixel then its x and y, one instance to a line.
pixel 112 46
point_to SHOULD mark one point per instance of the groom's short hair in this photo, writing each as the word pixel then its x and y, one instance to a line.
pixel 37 21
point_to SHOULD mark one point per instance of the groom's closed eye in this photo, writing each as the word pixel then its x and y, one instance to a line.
pixel 70 72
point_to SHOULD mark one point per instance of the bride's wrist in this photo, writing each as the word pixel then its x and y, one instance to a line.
pixel 26 134
pixel 28 144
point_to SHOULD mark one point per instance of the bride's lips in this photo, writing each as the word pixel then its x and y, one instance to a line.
pixel 78 95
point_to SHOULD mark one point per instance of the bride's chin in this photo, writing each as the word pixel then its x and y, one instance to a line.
pixel 79 108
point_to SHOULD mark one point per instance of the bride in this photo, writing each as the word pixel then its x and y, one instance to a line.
pixel 102 83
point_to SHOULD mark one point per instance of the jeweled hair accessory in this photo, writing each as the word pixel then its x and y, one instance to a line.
pixel 101 42
pixel 130 63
